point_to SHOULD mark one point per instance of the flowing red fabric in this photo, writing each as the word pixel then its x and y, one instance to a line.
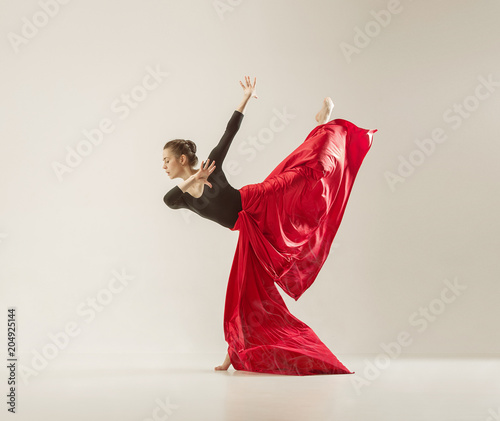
pixel 286 228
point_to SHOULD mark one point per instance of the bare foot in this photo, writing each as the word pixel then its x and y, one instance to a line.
pixel 225 365
pixel 326 110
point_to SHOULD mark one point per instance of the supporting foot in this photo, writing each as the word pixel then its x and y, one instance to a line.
pixel 225 365
pixel 326 111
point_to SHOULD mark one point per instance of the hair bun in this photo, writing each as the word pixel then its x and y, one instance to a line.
pixel 191 145
pixel 180 147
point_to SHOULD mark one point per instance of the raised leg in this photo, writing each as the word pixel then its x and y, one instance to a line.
pixel 324 114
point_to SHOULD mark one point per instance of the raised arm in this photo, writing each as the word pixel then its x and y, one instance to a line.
pixel 248 92
pixel 219 153
pixel 173 198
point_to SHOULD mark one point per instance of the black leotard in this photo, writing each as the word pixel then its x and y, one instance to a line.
pixel 222 202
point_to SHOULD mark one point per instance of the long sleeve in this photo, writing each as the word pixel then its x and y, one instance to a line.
pixel 173 199
pixel 218 153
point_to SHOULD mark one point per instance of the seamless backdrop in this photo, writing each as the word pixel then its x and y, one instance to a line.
pixel 91 91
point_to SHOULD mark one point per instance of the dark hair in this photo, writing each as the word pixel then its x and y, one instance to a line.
pixel 183 147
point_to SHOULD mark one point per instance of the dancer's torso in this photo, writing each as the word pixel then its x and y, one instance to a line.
pixel 221 202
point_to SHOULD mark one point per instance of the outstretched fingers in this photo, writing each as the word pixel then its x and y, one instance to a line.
pixel 248 82
pixel 206 170
pixel 248 87
pixel 211 167
pixel 205 163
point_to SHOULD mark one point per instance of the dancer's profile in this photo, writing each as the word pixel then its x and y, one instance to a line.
pixel 286 226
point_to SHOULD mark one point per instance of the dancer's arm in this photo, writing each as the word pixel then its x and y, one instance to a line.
pixel 249 91
pixel 173 199
pixel 218 154
pixel 243 105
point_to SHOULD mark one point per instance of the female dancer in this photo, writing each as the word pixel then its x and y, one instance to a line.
pixel 287 224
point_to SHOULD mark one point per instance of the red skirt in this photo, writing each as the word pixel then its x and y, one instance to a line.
pixel 286 228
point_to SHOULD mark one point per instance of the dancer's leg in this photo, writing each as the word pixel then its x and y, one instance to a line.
pixel 324 114
pixel 225 365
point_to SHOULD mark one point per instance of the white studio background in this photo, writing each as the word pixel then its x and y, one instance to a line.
pixel 422 213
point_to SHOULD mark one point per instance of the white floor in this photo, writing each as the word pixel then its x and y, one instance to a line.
pixel 98 388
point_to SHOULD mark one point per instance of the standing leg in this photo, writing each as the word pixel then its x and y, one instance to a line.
pixel 225 365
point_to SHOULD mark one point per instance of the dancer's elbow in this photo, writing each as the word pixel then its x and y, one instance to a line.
pixel 170 202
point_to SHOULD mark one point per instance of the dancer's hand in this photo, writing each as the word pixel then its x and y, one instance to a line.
pixel 248 88
pixel 204 172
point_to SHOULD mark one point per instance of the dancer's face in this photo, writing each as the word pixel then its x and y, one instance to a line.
pixel 171 164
